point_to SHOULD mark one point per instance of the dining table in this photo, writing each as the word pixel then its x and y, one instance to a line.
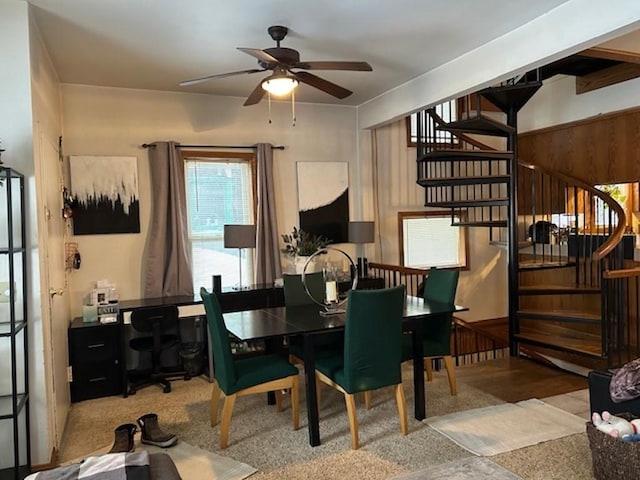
pixel 311 321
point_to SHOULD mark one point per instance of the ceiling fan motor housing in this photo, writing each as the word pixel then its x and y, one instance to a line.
pixel 286 56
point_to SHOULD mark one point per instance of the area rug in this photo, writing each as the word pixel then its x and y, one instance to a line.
pixel 193 462
pixel 471 468
pixel 501 428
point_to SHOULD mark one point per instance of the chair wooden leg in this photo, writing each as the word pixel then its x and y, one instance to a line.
pixel 227 411
pixel 278 395
pixel 215 401
pixel 451 373
pixel 295 396
pixel 402 409
pixel 350 400
pixel 367 400
pixel 428 369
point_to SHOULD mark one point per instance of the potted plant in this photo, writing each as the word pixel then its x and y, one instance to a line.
pixel 300 245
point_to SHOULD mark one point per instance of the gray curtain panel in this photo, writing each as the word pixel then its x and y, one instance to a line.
pixel 168 253
pixel 267 266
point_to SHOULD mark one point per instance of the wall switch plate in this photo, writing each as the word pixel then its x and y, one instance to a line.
pixel 4 292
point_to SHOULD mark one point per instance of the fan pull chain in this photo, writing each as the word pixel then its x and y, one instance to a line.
pixel 269 101
pixel 293 107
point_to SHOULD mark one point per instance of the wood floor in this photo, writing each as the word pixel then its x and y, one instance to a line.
pixel 513 379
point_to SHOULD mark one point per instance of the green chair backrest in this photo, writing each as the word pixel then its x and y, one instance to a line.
pixel 441 285
pixel 294 292
pixel 224 370
pixel 372 338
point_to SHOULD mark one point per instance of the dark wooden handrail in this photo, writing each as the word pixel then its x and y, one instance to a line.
pixel 622 273
pixel 394 275
pixel 399 269
pixel 616 236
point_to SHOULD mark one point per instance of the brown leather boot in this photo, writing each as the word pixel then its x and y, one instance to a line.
pixel 152 434
pixel 124 438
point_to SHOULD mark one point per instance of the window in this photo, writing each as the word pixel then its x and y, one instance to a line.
pixel 447 111
pixel 620 192
pixel 427 239
pixel 220 189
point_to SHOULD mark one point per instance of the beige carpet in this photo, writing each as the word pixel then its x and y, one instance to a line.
pixel 503 428
pixel 264 439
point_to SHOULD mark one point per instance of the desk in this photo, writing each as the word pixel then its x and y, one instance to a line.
pixel 306 321
pixel 255 297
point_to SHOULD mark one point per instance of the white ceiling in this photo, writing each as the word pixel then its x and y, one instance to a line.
pixel 155 44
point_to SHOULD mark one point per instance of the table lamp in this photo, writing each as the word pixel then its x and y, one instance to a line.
pixel 240 236
pixel 359 233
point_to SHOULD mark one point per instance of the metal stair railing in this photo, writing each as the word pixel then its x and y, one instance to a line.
pixel 554 197
pixel 484 184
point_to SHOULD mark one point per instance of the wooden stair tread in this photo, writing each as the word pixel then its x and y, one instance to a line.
pixel 585 346
pixel 557 289
pixel 564 313
pixel 535 264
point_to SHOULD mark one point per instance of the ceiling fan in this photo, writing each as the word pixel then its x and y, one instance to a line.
pixel 288 70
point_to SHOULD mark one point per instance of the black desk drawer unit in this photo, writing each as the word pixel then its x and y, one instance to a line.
pixel 94 356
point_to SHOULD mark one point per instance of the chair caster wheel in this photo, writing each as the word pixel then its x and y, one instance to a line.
pixel 166 389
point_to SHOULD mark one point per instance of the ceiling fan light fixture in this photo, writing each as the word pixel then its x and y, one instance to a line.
pixel 279 84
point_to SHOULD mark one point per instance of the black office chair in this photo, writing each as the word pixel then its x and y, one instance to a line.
pixel 162 324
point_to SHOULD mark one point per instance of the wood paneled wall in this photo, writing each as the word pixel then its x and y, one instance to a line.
pixel 602 149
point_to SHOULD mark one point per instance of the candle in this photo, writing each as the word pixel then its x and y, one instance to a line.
pixel 332 292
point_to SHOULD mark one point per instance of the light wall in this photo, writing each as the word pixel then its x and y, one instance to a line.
pixel 557 103
pixel 16 135
pixel 111 121
pixel 483 287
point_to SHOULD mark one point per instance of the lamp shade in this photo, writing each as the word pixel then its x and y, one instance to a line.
pixel 239 236
pixel 361 232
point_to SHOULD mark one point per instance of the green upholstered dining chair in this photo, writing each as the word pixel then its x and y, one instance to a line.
pixel 372 351
pixel 296 295
pixel 237 377
pixel 439 286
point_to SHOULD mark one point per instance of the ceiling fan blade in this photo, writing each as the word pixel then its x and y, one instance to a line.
pixel 221 75
pixel 255 96
pixel 354 66
pixel 259 54
pixel 322 84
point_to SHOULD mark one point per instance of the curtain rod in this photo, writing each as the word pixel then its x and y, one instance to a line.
pixel 276 147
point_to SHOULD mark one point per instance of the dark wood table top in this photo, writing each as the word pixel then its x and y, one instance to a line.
pixel 283 321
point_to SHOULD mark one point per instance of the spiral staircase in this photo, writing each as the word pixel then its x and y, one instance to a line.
pixel 568 300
